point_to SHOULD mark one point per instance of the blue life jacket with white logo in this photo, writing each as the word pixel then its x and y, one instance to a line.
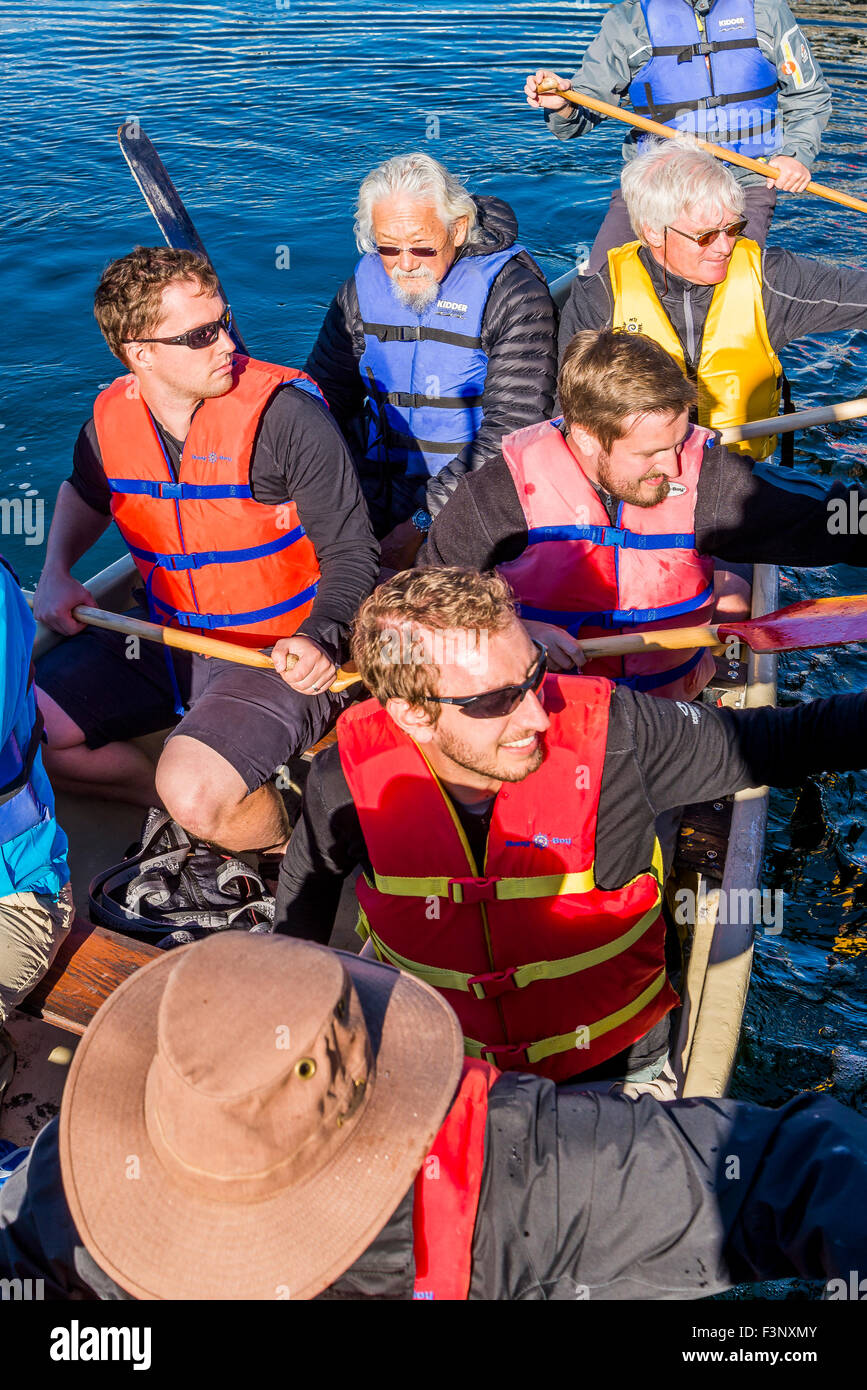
pixel 707 75
pixel 32 846
pixel 424 373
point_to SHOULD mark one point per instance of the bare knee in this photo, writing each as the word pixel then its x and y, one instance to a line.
pixel 198 788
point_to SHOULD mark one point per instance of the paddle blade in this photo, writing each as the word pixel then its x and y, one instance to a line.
pixel 821 622
pixel 164 200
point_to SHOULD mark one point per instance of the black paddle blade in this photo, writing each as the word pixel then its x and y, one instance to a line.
pixel 164 200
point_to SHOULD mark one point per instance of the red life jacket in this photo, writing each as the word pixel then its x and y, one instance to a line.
pixel 595 579
pixel 447 1190
pixel 546 972
pixel 211 557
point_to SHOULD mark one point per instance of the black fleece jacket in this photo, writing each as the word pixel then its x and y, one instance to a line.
pixel 519 331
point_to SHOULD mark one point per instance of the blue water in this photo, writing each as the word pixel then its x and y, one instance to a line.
pixel 267 116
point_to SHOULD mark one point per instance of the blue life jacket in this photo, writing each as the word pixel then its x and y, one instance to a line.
pixel 715 83
pixel 33 848
pixel 424 373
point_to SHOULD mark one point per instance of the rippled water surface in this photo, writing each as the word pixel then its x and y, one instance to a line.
pixel 267 115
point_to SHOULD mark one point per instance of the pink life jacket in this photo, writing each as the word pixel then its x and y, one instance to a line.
pixel 593 579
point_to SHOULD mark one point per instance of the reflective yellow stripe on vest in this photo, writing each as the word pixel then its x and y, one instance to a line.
pixel 522 975
pixel 739 374
pixel 582 1036
pixel 505 889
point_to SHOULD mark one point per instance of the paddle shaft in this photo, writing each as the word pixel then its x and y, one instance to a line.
pixel 632 118
pixel 190 642
pixel 797 420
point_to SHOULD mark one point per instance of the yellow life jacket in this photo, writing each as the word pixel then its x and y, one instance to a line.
pixel 739 374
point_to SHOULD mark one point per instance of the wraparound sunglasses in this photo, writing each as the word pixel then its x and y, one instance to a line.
pixel 494 704
pixel 201 337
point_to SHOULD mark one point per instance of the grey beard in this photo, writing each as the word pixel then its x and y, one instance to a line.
pixel 420 299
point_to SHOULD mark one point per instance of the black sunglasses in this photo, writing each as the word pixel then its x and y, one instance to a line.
pixel 704 239
pixel 420 251
pixel 200 337
pixel 494 704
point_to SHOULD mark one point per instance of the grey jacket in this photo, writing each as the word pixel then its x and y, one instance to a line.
pixel 622 47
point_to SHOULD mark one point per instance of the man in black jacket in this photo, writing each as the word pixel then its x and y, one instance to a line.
pixel 441 342
pixel 653 756
pixel 375 1167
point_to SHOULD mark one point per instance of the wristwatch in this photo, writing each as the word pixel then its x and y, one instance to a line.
pixel 422 520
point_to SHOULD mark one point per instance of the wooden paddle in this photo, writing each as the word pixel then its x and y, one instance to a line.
pixel 632 118
pixel 820 622
pixel 797 420
pixel 823 622
pixel 191 642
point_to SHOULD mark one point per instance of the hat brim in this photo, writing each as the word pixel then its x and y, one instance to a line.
pixel 158 1240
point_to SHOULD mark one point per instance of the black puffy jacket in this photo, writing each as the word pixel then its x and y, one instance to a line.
pixel 519 337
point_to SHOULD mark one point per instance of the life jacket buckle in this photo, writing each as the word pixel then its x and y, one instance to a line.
pixel 494 983
pixel 172 490
pixel 506 1055
pixel 472 890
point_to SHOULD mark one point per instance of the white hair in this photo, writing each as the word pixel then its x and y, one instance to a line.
pixel 673 177
pixel 426 181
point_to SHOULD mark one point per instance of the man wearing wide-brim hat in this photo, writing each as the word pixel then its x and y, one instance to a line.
pixel 314 1129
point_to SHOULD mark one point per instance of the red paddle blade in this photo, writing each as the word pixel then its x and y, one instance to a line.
pixel 821 622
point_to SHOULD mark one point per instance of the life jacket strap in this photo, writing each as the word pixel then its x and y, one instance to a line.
pixel 511 1055
pixel 612 536
pixel 468 891
pixel 491 984
pixel 414 400
pixel 179 492
pixel 215 620
pixel 199 558
pixel 685 54
pixel 666 112
pixel 660 678
pixel 418 332
pixel 573 621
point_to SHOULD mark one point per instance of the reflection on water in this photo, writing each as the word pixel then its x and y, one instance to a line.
pixel 267 116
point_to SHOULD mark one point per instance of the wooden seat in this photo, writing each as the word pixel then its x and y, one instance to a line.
pixel 91 963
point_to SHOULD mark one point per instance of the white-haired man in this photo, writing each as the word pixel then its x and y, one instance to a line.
pixel 442 341
pixel 722 306
pixel 738 72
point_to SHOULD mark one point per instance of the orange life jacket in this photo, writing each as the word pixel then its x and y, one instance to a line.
pixel 546 972
pixel 211 557
pixel 594 579
pixel 447 1190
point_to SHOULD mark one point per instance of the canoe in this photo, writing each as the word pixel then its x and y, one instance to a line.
pixel 717 864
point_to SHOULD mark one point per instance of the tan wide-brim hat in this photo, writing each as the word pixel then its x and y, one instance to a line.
pixel 243 1116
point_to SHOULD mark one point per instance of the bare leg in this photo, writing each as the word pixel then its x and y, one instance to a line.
pixel 117 771
pixel 204 794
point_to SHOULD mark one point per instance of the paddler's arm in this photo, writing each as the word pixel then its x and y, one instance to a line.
pixel 326 846
pixel 801 295
pixel 621 47
pixel 482 524
pixel 756 513
pixel 804 97
pixel 686 753
pixel 301 455
pixel 82 513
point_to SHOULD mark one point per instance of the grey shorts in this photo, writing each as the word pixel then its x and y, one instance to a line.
pixel 115 689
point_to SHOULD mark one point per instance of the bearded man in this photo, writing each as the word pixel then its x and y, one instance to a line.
pixel 441 342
